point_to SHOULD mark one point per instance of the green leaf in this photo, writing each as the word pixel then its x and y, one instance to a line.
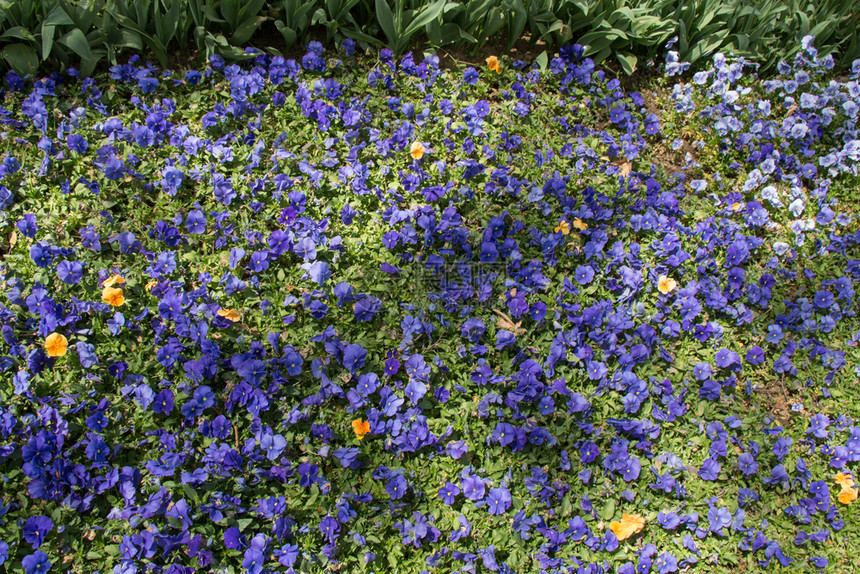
pixel 58 17
pixel 77 42
pixel 360 36
pixel 112 549
pixel 246 29
pixel 627 61
pixel 608 510
pixel 22 58
pixel 386 20
pixel 47 41
pixel 230 12
pixel 289 34
pixel 427 15
pixel 542 60
pixel 191 493
pixel 20 33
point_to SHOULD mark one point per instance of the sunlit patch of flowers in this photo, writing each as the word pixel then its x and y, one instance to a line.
pixel 324 314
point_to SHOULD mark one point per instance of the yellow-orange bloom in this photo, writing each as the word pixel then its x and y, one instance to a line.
pixel 417 150
pixel 564 227
pixel 56 345
pixel 630 524
pixel 848 495
pixel 580 224
pixel 666 285
pixel 113 280
pixel 113 296
pixel 150 285
pixel 844 480
pixel 361 428
pixel 493 64
pixel 229 314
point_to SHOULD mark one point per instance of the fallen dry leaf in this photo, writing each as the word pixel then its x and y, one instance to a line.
pixel 506 322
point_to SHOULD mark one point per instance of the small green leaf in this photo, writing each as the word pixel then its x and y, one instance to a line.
pixel 542 61
pixel 608 510
pixel 627 61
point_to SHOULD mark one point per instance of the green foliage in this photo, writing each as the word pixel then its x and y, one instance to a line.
pixel 401 24
pixel 341 19
pixel 767 31
pixel 295 20
pixel 154 24
pixel 614 27
pixel 63 32
pixel 54 29
pixel 471 23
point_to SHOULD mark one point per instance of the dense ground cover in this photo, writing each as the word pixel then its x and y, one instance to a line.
pixel 364 314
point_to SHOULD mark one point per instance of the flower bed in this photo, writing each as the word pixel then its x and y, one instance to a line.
pixel 359 314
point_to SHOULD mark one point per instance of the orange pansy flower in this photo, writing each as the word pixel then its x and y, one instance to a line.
pixel 56 345
pixel 361 428
pixel 580 224
pixel 417 150
pixel 493 64
pixel 848 495
pixel 113 296
pixel 844 480
pixel 630 524
pixel 666 284
pixel 229 314
pixel 113 280
pixel 564 227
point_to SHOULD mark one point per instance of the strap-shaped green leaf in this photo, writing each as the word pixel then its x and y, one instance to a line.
pixel 386 20
pixel 77 42
pixel 427 15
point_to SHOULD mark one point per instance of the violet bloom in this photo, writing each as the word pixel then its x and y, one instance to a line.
pixel 36 563
pixel 70 272
pixel 35 530
pixel 726 358
pixel 253 561
pixel 330 529
pixel 463 529
pixel 456 449
pixel 195 222
pixel 396 487
pixel 353 357
pixel 584 274
pixel 747 464
pixel 504 433
pixel 666 563
pixel 473 487
pixel 718 519
pixel 702 371
pixel 499 500
pixel 710 470
pixel 755 356
pixel 449 492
